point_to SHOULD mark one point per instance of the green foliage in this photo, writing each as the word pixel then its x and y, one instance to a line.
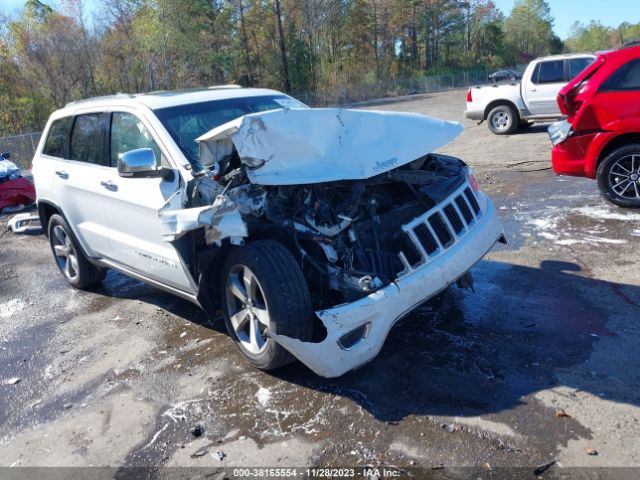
pixel 49 56
pixel 529 29
pixel 595 36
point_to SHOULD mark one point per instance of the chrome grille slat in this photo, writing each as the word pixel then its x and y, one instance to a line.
pixel 421 232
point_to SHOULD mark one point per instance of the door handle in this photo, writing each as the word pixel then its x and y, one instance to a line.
pixel 533 90
pixel 62 174
pixel 109 185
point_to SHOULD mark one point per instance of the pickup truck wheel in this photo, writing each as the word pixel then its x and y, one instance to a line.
pixel 71 261
pixel 503 120
pixel 264 291
pixel 619 177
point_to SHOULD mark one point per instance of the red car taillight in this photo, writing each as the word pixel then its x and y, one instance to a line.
pixel 469 96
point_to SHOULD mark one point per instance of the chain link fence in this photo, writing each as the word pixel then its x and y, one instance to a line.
pixel 392 88
pixel 21 147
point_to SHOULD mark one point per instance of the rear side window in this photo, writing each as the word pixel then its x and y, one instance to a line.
pixel 549 72
pixel 87 141
pixel 129 133
pixel 576 65
pixel 627 77
pixel 57 142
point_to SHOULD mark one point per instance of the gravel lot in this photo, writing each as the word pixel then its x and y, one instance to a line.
pixel 540 364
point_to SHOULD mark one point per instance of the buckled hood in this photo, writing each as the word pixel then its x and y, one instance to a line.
pixel 315 145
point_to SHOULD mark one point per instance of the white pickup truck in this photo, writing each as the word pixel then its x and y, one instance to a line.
pixel 519 104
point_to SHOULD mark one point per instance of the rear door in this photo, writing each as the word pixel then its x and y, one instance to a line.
pixel 76 183
pixel 618 99
pixel 136 240
pixel 542 89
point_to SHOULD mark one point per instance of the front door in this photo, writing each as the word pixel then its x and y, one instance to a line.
pixel 541 92
pixel 133 206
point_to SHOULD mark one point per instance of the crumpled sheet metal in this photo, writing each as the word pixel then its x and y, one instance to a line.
pixel 304 146
pixel 220 220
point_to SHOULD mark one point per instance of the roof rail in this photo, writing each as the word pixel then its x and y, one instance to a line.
pixel 222 87
pixel 100 97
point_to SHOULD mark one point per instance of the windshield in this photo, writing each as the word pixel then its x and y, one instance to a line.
pixel 185 123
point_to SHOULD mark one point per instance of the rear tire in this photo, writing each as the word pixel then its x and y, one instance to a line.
pixel 619 177
pixel 69 257
pixel 262 287
pixel 503 120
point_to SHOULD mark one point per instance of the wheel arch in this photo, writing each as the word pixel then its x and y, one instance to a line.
pixel 497 103
pixel 45 210
pixel 615 143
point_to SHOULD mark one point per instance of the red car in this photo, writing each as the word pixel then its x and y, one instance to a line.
pixel 600 138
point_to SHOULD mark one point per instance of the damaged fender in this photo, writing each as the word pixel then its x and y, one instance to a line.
pixel 220 220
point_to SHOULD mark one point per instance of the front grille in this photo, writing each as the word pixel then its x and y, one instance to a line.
pixel 440 228
pixel 454 218
pixel 472 200
pixel 427 240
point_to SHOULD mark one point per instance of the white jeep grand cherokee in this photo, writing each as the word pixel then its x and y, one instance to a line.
pixel 313 230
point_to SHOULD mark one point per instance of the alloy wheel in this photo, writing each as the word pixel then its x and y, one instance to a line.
pixel 65 252
pixel 501 120
pixel 247 309
pixel 624 177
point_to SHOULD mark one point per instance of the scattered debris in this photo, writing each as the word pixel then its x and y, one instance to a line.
pixel 25 223
pixel 67 406
pixel 264 396
pixel 197 430
pixel 183 334
pixel 438 467
pixel 540 469
pixel 12 381
pixel 219 454
pixel 560 413
pixel 449 428
pixel 486 466
pixel 591 451
pixel 412 462
pixel 201 452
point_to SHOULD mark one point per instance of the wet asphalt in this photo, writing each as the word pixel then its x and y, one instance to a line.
pixel 538 365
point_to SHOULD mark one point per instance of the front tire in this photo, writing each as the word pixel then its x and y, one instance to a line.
pixel 503 120
pixel 263 288
pixel 71 261
pixel 619 177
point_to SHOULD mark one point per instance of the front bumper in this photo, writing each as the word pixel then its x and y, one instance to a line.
pixel 379 311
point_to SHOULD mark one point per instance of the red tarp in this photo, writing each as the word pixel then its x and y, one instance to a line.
pixel 16 192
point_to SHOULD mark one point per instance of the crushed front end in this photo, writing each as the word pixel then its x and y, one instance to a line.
pixel 382 262
pixel 376 229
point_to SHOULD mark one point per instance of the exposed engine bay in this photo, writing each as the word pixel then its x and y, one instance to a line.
pixel 346 235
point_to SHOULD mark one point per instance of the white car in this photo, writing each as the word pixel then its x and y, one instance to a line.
pixel 533 99
pixel 312 230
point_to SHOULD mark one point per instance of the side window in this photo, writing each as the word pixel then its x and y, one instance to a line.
pixel 57 142
pixel 576 65
pixel 129 133
pixel 87 140
pixel 549 72
pixel 627 77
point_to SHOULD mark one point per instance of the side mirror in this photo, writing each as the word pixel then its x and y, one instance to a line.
pixel 5 155
pixel 138 163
